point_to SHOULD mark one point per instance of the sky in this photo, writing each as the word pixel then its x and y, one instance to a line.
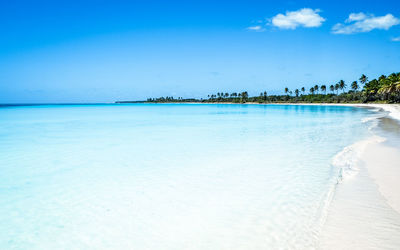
pixel 105 51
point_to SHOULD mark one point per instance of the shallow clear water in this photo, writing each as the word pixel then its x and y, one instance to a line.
pixel 170 176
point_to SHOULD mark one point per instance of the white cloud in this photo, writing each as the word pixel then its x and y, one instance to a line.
pixel 305 17
pixel 360 22
pixel 396 39
pixel 258 28
pixel 356 17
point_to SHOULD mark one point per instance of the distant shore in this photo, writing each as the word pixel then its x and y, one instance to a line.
pixel 385 89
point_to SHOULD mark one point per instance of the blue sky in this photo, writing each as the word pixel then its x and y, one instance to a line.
pixel 103 51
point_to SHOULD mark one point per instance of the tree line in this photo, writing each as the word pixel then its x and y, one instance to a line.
pixel 384 89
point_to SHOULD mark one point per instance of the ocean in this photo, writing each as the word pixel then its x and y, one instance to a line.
pixel 173 176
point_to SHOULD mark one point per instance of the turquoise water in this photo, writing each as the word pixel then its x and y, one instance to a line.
pixel 170 176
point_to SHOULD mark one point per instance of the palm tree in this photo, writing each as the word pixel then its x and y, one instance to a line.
pixel 296 92
pixel 337 86
pixel 332 88
pixel 390 87
pixel 312 90
pixel 381 78
pixel 286 90
pixel 245 95
pixel 354 86
pixel 394 77
pixel 323 88
pixel 316 87
pixel 303 90
pixel 342 85
pixel 265 95
pixel 363 79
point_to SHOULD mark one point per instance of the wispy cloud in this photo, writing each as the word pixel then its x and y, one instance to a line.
pixel 396 39
pixel 305 17
pixel 360 22
pixel 257 28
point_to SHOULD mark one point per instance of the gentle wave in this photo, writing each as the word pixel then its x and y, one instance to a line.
pixel 347 159
pixel 367 203
pixel 373 121
pixel 346 164
pixel 392 109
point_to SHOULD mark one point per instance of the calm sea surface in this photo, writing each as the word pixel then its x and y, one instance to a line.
pixel 170 176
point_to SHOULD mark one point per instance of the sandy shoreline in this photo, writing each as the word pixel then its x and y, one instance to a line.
pixel 363 214
pixel 365 210
pixel 383 165
pixel 383 161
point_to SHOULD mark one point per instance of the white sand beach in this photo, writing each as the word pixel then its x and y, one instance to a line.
pixel 383 165
pixel 366 207
pixel 383 162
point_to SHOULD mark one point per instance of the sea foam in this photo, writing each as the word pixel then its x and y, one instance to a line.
pixel 347 159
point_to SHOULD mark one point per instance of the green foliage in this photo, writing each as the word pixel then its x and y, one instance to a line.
pixel 383 89
pixel 354 86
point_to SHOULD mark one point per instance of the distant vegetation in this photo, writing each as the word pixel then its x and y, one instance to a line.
pixel 384 89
